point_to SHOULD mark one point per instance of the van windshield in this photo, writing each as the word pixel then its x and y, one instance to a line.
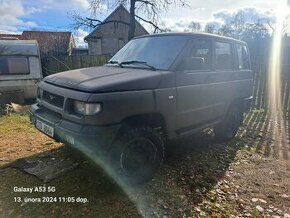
pixel 158 51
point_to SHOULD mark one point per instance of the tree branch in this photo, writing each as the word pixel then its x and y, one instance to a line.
pixel 146 2
pixel 150 22
pixel 102 23
pixel 270 25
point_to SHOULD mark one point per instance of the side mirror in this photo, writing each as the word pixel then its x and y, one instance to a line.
pixel 192 63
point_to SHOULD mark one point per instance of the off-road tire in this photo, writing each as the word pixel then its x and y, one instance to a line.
pixel 227 130
pixel 136 154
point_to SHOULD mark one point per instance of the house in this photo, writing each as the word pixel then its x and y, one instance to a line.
pixel 109 37
pixel 51 43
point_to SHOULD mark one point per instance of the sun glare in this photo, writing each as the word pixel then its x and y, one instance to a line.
pixel 274 77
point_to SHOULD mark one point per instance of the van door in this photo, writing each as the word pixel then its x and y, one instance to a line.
pixel 196 99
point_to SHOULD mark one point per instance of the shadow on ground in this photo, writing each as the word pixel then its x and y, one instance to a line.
pixel 192 168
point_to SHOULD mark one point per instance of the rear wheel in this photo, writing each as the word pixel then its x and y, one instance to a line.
pixel 137 154
pixel 227 130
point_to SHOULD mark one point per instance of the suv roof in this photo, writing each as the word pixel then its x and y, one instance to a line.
pixel 192 35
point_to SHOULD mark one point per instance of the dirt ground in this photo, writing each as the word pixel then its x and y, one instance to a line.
pixel 246 177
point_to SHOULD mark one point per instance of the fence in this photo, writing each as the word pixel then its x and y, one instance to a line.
pixel 260 55
pixel 261 88
pixel 55 64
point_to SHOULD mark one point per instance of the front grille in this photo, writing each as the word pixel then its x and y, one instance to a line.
pixel 53 99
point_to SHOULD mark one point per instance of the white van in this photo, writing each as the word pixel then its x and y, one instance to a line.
pixel 20 70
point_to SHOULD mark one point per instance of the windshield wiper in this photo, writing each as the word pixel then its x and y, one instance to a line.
pixel 136 62
pixel 114 62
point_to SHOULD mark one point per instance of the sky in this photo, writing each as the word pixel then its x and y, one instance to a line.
pixel 54 15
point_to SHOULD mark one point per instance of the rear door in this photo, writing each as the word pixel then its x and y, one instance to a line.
pixel 231 62
pixel 244 72
pixel 226 69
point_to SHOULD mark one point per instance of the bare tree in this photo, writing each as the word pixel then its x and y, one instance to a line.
pixel 239 28
pixel 150 10
pixel 209 28
pixel 194 26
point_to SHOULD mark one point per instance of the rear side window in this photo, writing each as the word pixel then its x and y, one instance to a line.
pixel 13 65
pixel 243 57
pixel 200 53
pixel 223 56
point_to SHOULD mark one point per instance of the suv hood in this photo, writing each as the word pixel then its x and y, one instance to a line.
pixel 106 79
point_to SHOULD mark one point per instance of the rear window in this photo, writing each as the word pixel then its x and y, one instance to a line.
pixel 223 56
pixel 13 65
pixel 243 57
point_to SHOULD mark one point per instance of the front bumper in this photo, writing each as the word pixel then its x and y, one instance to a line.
pixel 88 138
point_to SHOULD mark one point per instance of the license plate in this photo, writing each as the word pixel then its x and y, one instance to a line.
pixel 44 128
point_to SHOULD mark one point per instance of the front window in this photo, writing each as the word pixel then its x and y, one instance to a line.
pixel 201 50
pixel 158 51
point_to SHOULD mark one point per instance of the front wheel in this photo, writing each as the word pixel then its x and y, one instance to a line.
pixel 227 130
pixel 137 154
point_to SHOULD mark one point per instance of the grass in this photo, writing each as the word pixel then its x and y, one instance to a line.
pixel 176 183
pixel 14 123
pixel 20 139
pixel 188 184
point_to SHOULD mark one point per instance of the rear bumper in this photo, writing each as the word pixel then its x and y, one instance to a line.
pixel 87 138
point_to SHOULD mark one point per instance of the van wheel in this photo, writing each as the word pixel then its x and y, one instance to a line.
pixel 227 130
pixel 137 154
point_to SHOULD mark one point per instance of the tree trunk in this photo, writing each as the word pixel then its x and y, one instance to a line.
pixel 132 20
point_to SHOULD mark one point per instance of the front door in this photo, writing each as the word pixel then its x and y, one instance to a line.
pixel 196 99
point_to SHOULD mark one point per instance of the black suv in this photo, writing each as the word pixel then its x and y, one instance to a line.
pixel 157 87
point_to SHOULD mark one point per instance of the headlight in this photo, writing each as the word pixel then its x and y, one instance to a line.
pixel 87 108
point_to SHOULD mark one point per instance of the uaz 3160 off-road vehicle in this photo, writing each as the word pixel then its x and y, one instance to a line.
pixel 156 87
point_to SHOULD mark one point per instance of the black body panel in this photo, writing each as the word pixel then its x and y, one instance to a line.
pixel 106 79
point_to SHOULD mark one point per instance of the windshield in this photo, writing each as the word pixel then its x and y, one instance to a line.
pixel 158 52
